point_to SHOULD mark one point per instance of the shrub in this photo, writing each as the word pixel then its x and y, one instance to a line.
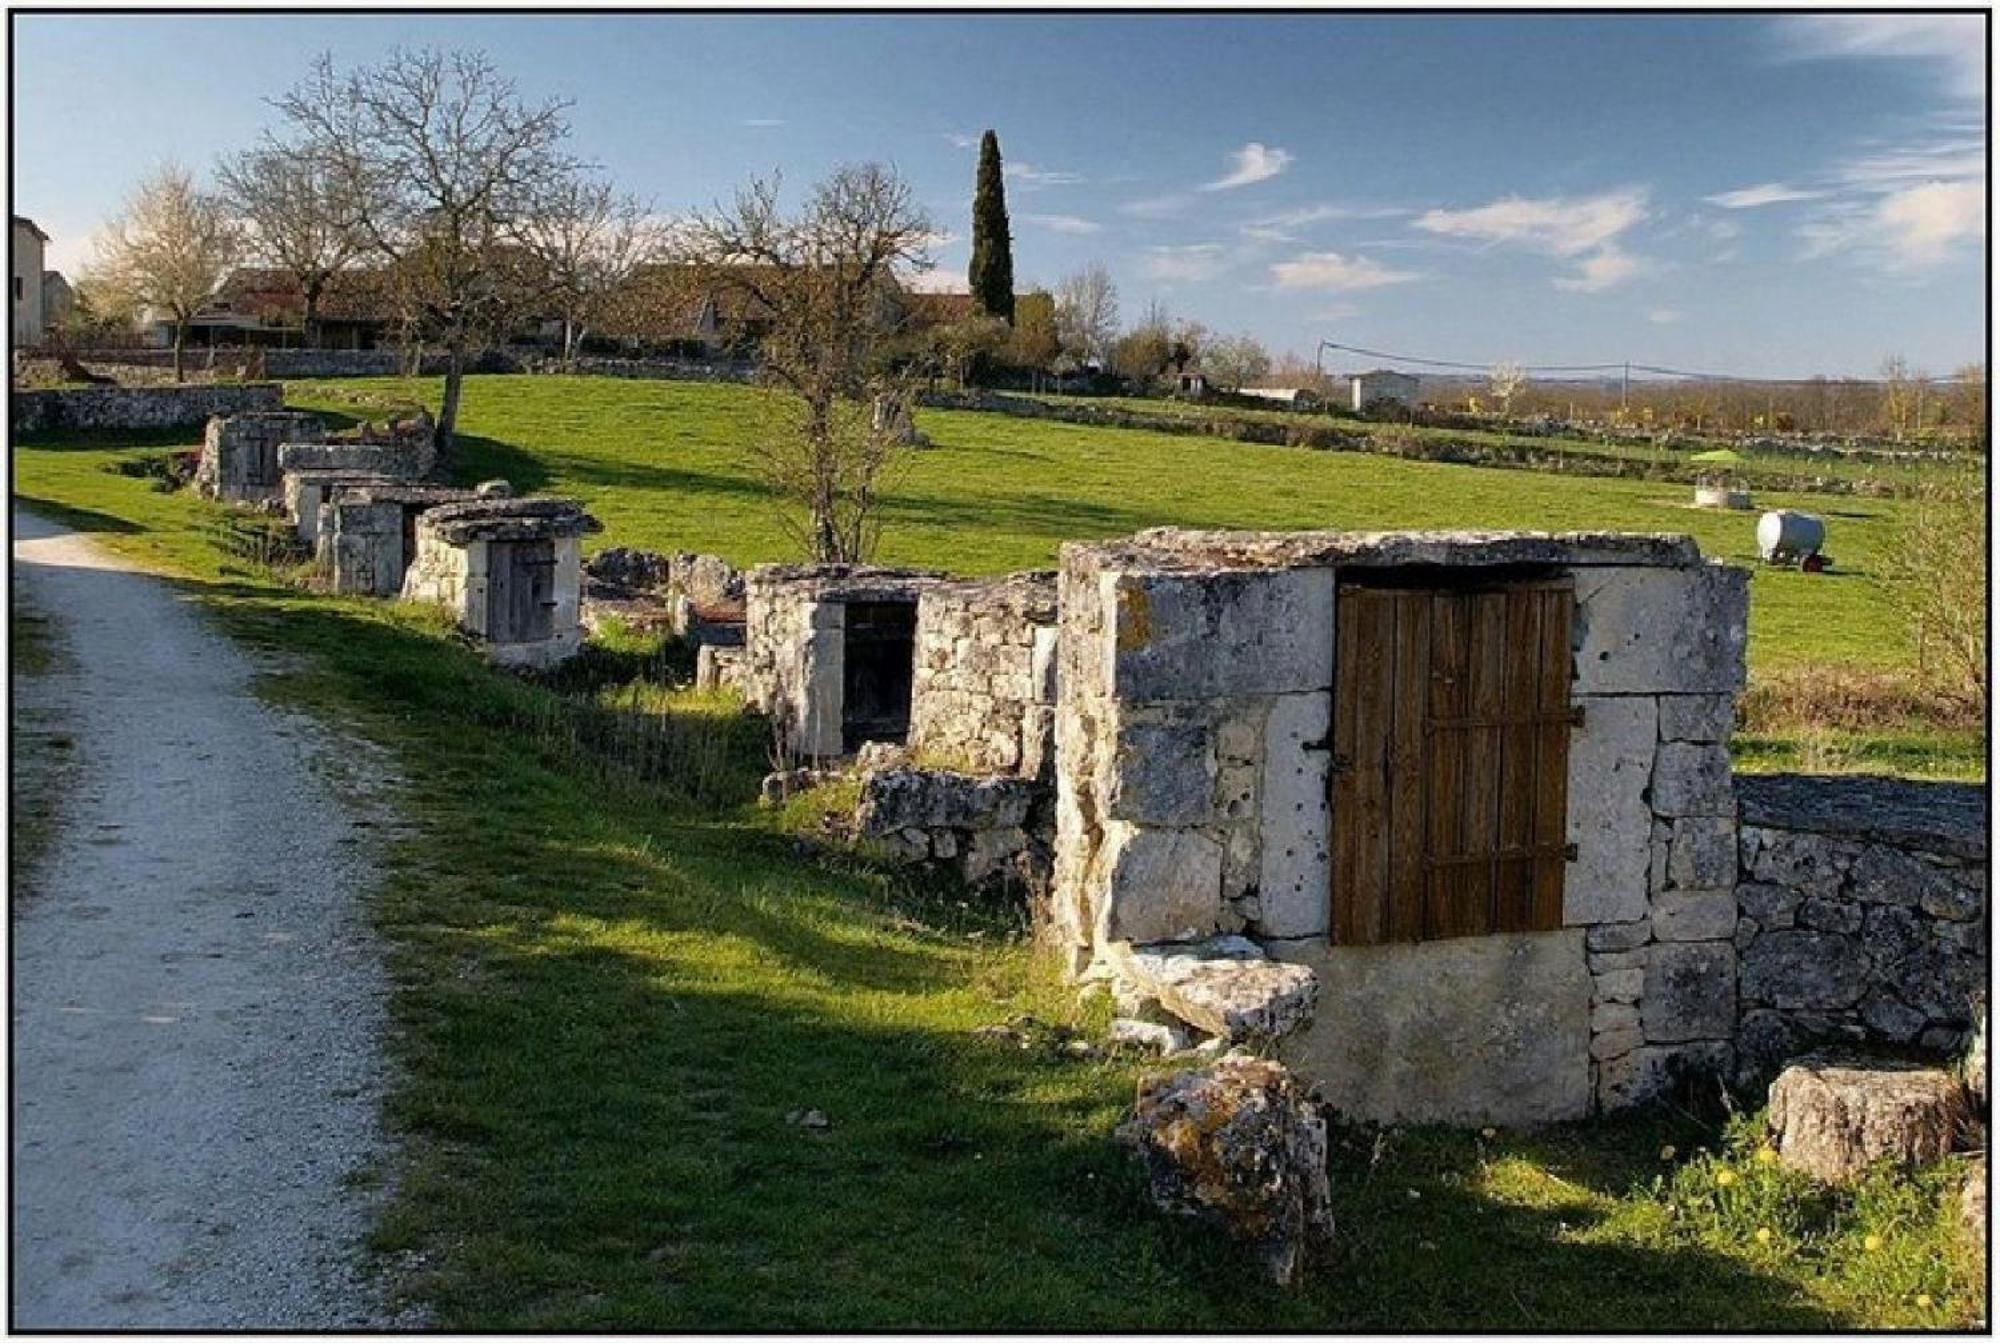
pixel 1937 570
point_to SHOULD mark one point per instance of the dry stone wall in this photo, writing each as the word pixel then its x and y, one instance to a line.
pixel 176 407
pixel 1862 915
pixel 987 828
pixel 241 454
pixel 984 695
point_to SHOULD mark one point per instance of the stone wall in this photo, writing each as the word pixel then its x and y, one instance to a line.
pixel 361 535
pixel 795 645
pixel 1194 705
pixel 242 454
pixel 410 459
pixel 179 407
pixel 1863 914
pixel 989 829
pixel 985 694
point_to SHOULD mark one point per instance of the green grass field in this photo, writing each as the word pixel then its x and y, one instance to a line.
pixel 616 978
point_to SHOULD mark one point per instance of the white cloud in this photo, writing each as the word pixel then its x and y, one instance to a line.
pixel 1254 163
pixel 1911 229
pixel 764 121
pixel 1664 316
pixel 1331 270
pixel 1954 42
pixel 1584 229
pixel 1065 223
pixel 1030 175
pixel 1280 227
pixel 960 140
pixel 1764 193
pixel 1156 207
pixel 1601 270
pixel 1183 265
pixel 1334 313
pixel 935 281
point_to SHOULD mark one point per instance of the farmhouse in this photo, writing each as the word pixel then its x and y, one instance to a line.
pixel 27 242
pixel 1469 791
pixel 1381 386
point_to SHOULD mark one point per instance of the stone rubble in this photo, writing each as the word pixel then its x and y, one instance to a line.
pixel 1239 1145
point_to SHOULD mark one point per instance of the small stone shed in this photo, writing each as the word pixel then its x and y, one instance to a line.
pixel 1476 782
pixel 509 570
pixel 831 653
pixel 240 453
pixel 368 536
pixel 309 489
pixel 985 687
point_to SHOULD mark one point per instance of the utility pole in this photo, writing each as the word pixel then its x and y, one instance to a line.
pixel 1625 388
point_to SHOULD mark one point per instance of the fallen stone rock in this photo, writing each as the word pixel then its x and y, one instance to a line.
pixel 1239 1145
pixel 1154 1035
pixel 1225 986
pixel 1834 1115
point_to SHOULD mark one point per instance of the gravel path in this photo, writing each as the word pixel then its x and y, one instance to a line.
pixel 197 998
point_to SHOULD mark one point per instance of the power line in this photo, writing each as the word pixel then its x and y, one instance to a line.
pixel 1627 369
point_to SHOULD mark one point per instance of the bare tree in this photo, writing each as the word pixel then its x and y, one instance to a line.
pixel 1968 403
pixel 822 281
pixel 1087 314
pixel 167 251
pixel 1898 393
pixel 444 170
pixel 289 198
pixel 589 242
pixel 1508 380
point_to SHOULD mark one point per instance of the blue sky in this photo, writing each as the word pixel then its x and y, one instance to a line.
pixel 1761 195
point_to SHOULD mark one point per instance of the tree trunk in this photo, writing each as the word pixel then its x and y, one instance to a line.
pixel 312 317
pixel 454 385
pixel 570 338
pixel 180 349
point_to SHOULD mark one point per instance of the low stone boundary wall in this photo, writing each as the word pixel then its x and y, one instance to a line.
pixel 985 676
pixel 671 370
pixel 989 829
pixel 1862 914
pixel 1325 435
pixel 178 407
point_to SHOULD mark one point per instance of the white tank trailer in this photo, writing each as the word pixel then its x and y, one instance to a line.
pixel 1786 536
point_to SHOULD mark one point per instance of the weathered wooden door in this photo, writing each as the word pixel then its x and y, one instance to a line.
pixel 1451 721
pixel 520 591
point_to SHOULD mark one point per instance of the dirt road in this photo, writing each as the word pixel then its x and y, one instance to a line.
pixel 197 998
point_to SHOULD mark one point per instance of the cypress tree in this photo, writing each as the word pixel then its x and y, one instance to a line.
pixel 992 272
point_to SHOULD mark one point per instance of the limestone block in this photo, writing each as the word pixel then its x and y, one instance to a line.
pixel 1614 937
pixel 1163 774
pixel 1771 906
pixel 1210 635
pixel 1614 1017
pixel 1619 986
pixel 1162 885
pixel 1832 916
pixel 1613 1043
pixel 1697 717
pixel 1295 879
pixel 1042 676
pixel 1703 852
pixel 1225 987
pixel 1799 968
pixel 1644 631
pixel 1610 768
pixel 1653 1071
pixel 1809 864
pixel 1692 779
pixel 1882 875
pixel 1694 916
pixel 1835 1116
pixel 1690 992
pixel 1038 741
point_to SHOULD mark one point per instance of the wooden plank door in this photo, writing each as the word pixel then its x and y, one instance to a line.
pixel 1451 755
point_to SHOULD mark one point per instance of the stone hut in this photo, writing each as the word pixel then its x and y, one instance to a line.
pixel 309 489
pixel 509 570
pixel 1475 783
pixel 368 535
pixel 831 653
pixel 985 682
pixel 240 453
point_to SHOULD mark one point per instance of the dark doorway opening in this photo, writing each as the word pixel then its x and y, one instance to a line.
pixel 877 670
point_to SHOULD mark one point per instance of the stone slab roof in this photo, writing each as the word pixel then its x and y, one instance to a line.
pixel 1179 549
pixel 1946 818
pixel 392 491
pixel 846 582
pixel 1032 593
pixel 529 519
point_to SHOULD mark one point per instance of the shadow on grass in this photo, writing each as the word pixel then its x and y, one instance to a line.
pixel 79 519
pixel 613 1009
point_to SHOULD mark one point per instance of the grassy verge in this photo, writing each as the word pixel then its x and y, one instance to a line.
pixel 618 983
pixel 43 750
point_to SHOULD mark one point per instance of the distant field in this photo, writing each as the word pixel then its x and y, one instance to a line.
pixel 662 464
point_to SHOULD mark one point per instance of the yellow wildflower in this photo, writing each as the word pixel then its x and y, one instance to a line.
pixel 1923 1300
pixel 1766 1155
pixel 1763 1235
pixel 1725 1177
pixel 1871 1242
